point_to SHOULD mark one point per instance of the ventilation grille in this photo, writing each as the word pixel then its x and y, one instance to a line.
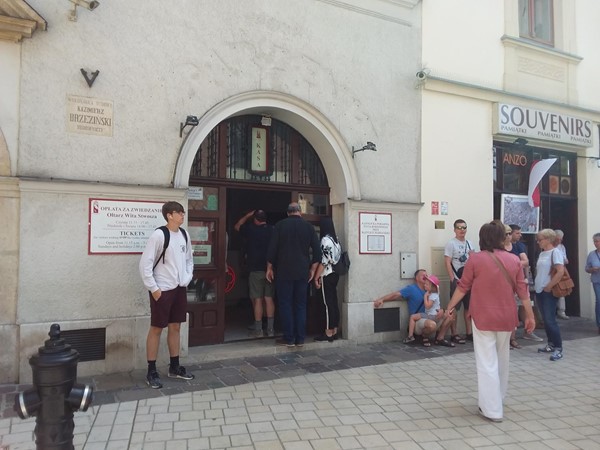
pixel 90 343
pixel 386 319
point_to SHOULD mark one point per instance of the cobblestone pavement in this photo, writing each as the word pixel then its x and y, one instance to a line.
pixel 348 396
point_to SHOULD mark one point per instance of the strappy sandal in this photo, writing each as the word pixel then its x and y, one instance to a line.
pixel 444 343
pixel 426 342
pixel 408 339
pixel 515 344
pixel 457 339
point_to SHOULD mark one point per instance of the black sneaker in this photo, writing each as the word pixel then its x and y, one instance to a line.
pixel 153 380
pixel 180 373
pixel 285 343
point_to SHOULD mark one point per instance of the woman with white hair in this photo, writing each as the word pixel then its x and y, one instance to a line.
pixel 549 259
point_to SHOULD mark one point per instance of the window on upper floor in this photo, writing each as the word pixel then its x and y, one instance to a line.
pixel 536 21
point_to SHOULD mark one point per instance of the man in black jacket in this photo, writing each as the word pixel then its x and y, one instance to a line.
pixel 292 267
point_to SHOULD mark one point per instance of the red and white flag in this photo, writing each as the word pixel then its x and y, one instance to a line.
pixel 538 170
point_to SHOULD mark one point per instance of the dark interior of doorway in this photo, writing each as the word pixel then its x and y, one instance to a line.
pixel 238 306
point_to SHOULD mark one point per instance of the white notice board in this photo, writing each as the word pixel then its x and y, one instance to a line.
pixel 121 226
pixel 375 231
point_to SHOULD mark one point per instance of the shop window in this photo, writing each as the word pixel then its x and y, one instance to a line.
pixel 536 21
pixel 513 165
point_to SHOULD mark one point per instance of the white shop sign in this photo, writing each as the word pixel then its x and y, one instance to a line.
pixel 537 124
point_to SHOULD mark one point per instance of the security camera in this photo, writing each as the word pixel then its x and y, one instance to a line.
pixel 86 4
pixel 421 75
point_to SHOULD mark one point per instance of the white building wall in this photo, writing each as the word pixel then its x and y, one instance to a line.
pixel 457 169
pixel 159 66
pixel 461 40
pixel 158 62
pixel 475 59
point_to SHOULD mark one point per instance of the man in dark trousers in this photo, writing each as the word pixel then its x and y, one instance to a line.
pixel 258 235
pixel 292 267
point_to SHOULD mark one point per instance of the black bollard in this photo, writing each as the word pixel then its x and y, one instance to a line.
pixel 55 395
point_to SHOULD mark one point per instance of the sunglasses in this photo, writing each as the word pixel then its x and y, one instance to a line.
pixel 461 228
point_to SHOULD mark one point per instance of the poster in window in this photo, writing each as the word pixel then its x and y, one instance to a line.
pixel 515 209
pixel 202 236
pixel 553 184
pixel 565 185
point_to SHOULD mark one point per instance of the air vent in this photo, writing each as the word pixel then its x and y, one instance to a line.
pixel 90 343
pixel 386 319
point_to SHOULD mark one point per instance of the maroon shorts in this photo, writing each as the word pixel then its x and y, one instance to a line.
pixel 169 308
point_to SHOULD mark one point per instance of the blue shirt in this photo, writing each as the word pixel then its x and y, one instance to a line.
pixel 518 248
pixel 415 296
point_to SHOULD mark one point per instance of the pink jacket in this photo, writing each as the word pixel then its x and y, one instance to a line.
pixel 492 305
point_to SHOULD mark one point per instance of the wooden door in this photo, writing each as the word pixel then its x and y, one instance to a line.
pixel 206 292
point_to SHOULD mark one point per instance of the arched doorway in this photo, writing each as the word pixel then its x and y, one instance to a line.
pixel 331 150
pixel 242 166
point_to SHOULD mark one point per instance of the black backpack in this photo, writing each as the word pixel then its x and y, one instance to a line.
pixel 343 265
pixel 167 234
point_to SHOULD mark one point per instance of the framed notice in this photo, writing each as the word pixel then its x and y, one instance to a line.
pixel 375 231
pixel 515 209
pixel 121 226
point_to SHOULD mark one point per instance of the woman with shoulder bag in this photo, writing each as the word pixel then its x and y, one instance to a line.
pixel 548 260
pixel 326 279
pixel 493 276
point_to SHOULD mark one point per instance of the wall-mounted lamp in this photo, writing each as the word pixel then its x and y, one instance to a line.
pixel 369 146
pixel 521 141
pixel 89 5
pixel 265 121
pixel 190 121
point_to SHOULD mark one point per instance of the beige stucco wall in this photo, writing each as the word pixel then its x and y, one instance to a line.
pixel 9 106
pixel 9 263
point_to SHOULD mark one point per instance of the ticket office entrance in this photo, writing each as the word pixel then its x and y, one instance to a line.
pixel 242 166
pixel 219 307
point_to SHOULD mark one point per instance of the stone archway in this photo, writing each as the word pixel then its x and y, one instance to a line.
pixel 316 128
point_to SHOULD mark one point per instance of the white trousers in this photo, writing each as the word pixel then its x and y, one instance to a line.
pixel 492 357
